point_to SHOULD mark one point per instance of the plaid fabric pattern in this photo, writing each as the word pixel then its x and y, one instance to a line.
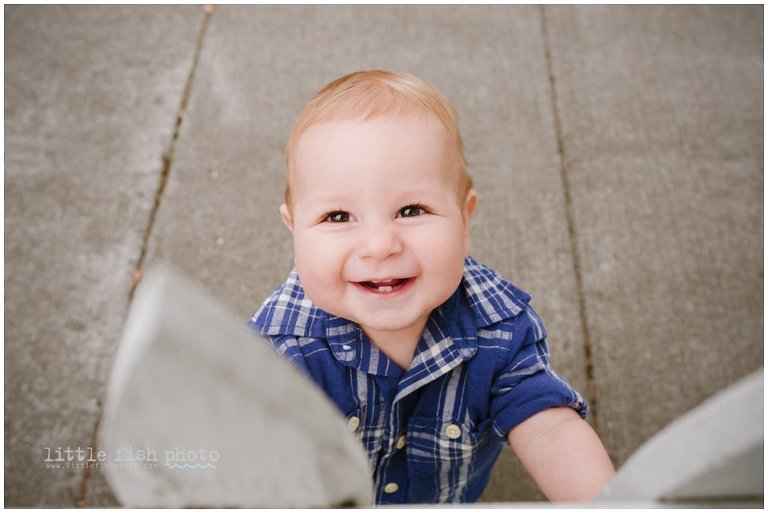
pixel 433 431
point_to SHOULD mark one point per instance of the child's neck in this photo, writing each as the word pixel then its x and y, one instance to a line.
pixel 399 345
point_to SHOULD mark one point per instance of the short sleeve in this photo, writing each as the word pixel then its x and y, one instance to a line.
pixel 526 385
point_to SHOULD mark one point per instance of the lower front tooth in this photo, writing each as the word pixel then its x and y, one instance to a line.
pixel 385 288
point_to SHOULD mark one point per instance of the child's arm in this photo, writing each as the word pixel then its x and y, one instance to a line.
pixel 563 455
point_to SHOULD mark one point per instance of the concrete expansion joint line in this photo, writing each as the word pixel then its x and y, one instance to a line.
pixel 569 217
pixel 167 161
pixel 167 158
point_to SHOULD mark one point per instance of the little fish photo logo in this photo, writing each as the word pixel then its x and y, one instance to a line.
pixel 193 459
pixel 67 457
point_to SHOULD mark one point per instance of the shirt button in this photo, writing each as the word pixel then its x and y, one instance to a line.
pixel 400 442
pixel 391 488
pixel 453 431
pixel 353 423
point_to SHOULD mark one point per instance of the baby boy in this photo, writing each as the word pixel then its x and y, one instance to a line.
pixel 435 359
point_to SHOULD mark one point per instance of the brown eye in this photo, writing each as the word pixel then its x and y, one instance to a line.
pixel 411 211
pixel 337 217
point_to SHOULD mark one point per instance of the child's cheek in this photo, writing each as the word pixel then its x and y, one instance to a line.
pixel 318 257
pixel 446 242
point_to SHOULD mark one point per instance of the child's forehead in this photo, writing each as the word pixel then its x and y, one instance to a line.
pixel 399 122
pixel 393 152
pixel 418 135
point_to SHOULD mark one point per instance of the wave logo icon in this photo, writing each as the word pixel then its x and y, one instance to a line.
pixel 191 465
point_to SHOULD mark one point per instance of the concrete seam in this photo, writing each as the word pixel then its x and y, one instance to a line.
pixel 570 222
pixel 167 160
pixel 167 157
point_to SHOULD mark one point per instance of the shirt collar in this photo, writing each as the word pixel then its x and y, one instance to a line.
pixel 491 296
pixel 484 297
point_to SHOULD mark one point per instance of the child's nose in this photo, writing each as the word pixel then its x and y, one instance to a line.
pixel 379 242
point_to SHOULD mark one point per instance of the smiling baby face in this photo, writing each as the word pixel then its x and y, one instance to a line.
pixel 380 218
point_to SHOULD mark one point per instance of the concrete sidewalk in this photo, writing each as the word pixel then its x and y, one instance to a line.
pixel 618 153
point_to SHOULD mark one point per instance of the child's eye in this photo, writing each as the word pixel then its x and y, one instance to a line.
pixel 337 216
pixel 411 211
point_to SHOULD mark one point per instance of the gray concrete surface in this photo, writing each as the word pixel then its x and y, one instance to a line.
pixel 662 131
pixel 617 151
pixel 91 94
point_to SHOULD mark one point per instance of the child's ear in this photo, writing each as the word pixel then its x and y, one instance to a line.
pixel 470 204
pixel 285 213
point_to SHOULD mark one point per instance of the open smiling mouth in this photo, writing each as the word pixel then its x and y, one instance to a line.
pixel 385 286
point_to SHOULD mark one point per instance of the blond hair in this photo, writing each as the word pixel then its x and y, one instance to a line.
pixel 369 94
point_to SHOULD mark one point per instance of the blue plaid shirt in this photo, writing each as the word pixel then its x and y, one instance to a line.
pixel 433 432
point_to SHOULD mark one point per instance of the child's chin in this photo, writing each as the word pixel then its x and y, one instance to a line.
pixel 395 324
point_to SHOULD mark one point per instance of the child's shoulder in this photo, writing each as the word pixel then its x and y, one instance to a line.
pixel 289 311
